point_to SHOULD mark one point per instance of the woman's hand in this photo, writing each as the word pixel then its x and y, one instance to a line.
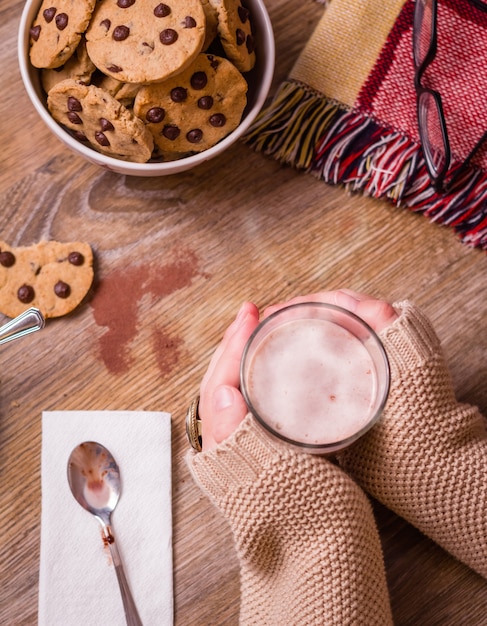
pixel 222 406
pixel 377 313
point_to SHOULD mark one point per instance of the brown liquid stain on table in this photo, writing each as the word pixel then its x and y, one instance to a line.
pixel 116 308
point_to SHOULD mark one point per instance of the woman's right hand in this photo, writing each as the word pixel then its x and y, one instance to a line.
pixel 222 407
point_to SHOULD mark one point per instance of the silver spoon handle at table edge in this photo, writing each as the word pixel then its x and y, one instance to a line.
pixel 131 613
pixel 27 322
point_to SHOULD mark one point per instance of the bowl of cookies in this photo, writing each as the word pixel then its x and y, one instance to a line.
pixel 143 87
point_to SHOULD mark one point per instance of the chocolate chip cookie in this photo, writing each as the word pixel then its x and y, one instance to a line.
pixel 195 109
pixel 145 41
pixel 211 16
pixel 97 119
pixel 52 276
pixel 56 31
pixel 78 67
pixel 123 92
pixel 235 31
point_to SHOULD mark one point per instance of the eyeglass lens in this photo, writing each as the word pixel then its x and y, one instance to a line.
pixel 431 125
pixel 423 30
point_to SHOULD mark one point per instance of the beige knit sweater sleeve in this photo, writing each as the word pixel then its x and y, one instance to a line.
pixel 427 457
pixel 304 532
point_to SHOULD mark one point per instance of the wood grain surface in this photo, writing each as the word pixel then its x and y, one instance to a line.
pixel 175 258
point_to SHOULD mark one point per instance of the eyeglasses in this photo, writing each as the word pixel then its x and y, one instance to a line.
pixel 431 118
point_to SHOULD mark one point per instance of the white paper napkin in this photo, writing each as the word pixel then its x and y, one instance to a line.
pixel 77 583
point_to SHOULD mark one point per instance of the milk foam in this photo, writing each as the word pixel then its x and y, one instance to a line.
pixel 313 382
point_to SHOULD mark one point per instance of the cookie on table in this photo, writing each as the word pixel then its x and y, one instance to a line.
pixel 78 67
pixel 195 109
pixel 52 276
pixel 56 31
pixel 99 120
pixel 145 41
pixel 235 32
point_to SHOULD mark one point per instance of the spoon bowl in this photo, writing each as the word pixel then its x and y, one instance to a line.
pixel 94 479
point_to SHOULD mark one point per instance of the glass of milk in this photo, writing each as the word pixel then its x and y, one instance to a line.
pixel 315 376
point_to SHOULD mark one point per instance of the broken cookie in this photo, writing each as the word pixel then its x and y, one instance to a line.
pixel 51 276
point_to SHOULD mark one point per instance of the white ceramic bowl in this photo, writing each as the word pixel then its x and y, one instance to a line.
pixel 259 80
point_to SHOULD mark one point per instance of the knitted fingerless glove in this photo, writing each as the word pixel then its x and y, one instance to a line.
pixel 305 534
pixel 427 457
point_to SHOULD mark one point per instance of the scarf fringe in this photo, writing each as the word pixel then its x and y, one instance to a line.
pixel 309 132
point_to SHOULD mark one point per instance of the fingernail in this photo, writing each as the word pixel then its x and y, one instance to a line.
pixel 241 312
pixel 223 397
pixel 346 301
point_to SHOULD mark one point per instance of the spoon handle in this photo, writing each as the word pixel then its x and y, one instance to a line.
pixel 26 322
pixel 131 613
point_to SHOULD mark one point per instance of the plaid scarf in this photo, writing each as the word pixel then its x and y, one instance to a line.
pixel 347 111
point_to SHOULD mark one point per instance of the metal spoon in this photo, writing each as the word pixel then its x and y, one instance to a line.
pixel 25 323
pixel 94 478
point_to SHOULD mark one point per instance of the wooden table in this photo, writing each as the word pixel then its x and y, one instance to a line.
pixel 238 228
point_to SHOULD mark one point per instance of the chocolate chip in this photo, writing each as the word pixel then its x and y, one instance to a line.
pixel 121 32
pixel 217 120
pixel 35 31
pixel 168 36
pixel 61 21
pixel 240 37
pixel 74 118
pixel 106 24
pixel 74 104
pixel 80 136
pixel 7 259
pixel 114 69
pixel 162 10
pixel 243 14
pixel 189 22
pixel 62 290
pixel 76 258
pixel 179 94
pixel 205 102
pixel 106 124
pixel 25 294
pixel 214 62
pixel 125 4
pixel 49 14
pixel 171 132
pixel 155 115
pixel 199 80
pixel 195 135
pixel 250 43
pixel 101 138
